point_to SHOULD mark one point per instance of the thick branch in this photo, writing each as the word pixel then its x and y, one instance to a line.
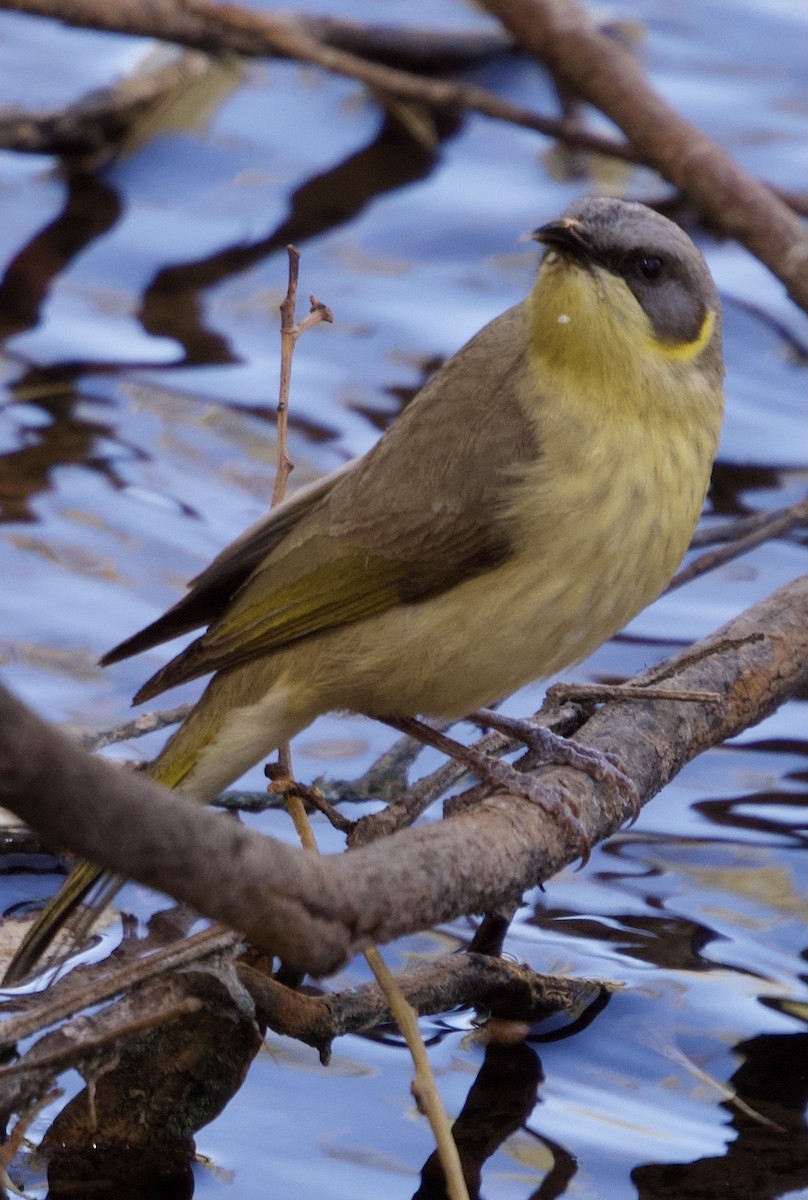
pixel 316 912
pixel 220 28
pixel 228 27
pixel 560 34
pixel 505 989
pixel 151 991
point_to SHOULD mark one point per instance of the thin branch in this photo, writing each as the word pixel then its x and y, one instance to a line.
pixel 110 1033
pixel 94 985
pixel 15 1138
pixel 288 340
pixel 218 27
pixel 767 526
pixel 730 531
pixel 284 776
pixel 504 990
pixel 385 779
pixel 424 1086
pixel 290 332
pixel 138 727
pixel 597 693
pixel 92 128
pixel 416 47
pixel 228 27
pixel 404 810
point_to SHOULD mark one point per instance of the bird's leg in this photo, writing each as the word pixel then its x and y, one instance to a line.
pixel 500 775
pixel 565 752
pixel 489 937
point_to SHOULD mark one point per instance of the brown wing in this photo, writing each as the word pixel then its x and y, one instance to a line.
pixel 454 456
pixel 211 591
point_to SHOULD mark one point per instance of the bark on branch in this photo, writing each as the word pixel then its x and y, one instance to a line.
pixel 315 912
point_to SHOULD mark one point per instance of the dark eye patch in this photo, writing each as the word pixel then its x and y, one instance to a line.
pixel 640 267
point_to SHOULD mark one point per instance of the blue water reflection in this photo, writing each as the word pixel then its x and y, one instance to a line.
pixel 139 316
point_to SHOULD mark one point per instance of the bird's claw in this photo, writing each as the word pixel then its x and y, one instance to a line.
pixel 505 777
pixel 566 752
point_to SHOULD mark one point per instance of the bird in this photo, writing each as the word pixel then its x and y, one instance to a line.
pixel 537 493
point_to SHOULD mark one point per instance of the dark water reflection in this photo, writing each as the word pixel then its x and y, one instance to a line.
pixel 90 209
pixel 769 1155
pixel 138 316
pixel 499 1102
pixel 172 303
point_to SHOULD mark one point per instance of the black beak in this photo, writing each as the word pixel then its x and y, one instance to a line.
pixel 568 237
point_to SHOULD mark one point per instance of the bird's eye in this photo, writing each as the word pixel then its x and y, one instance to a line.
pixel 650 267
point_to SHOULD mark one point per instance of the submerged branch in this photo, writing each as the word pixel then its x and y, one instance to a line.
pixel 93 128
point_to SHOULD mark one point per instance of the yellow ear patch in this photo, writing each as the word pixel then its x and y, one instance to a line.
pixel 685 351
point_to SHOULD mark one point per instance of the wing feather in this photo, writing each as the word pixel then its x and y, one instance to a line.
pixel 212 590
pixel 352 553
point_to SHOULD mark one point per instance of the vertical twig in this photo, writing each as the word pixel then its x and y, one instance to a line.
pixel 425 1089
pixel 288 340
pixel 290 332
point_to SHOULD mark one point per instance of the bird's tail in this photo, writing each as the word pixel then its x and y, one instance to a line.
pixel 184 763
pixel 71 913
pixel 66 914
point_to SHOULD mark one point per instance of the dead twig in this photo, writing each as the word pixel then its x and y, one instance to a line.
pixel 13 1144
pixel 497 986
pixel 147 722
pixel 284 775
pixel 758 529
pixel 405 809
pixel 93 985
pixel 730 531
pixel 284 465
pixel 500 988
pixel 597 693
pixel 290 332
pixel 424 1087
pixel 92 128
pixel 103 1036
pixel 415 47
pixel 218 27
pixel 215 28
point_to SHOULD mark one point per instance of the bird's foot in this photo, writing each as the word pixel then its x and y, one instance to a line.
pixel 506 778
pixel 503 777
pixel 566 752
